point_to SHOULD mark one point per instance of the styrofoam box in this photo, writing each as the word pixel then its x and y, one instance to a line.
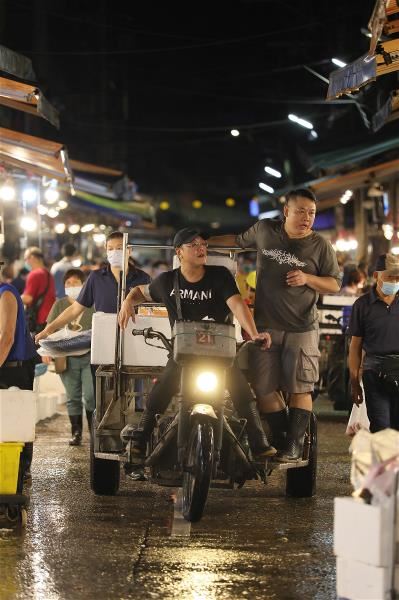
pixel 136 352
pixel 17 415
pixel 359 581
pixel 364 532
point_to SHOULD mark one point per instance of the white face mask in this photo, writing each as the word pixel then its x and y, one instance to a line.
pixel 73 292
pixel 115 257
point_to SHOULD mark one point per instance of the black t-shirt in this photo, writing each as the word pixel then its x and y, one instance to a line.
pixel 205 299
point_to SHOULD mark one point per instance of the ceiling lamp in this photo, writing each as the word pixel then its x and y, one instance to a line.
pixel 230 202
pixel 28 224
pixel 88 227
pixel 273 172
pixel 52 213
pixel 300 121
pixel 266 188
pixel 74 228
pixel 7 191
pixel 197 204
pixel 59 228
pixel 99 238
pixel 235 132
pixel 346 196
pixel 29 194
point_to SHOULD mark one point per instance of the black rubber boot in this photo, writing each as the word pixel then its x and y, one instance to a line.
pixel 278 425
pixel 89 417
pixel 298 420
pixel 258 441
pixel 76 425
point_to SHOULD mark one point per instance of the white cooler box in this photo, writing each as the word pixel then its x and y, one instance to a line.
pixel 363 532
pixel 136 352
pixel 17 415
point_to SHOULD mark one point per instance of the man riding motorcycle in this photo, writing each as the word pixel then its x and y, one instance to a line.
pixel 207 293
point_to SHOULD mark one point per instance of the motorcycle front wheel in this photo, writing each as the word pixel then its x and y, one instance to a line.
pixel 198 471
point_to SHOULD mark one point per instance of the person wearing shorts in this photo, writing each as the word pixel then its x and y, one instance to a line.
pixel 294 265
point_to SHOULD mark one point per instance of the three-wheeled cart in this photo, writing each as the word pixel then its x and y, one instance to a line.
pixel 115 403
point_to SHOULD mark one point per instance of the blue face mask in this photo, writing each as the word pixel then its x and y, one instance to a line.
pixel 27 267
pixel 390 288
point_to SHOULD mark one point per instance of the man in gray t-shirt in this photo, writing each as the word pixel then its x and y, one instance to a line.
pixel 294 265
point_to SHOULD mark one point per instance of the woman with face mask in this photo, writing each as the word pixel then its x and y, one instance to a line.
pixel 75 371
pixel 374 327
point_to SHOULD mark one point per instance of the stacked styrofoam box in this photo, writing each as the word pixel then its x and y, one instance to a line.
pixel 364 540
pixel 17 415
pixel 135 350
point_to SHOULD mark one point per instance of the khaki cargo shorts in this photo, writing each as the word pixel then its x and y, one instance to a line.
pixel 291 364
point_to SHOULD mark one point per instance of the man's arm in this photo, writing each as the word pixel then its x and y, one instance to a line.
pixel 323 285
pixel 27 299
pixel 354 363
pixel 69 314
pixel 244 316
pixel 222 241
pixel 136 296
pixel 8 321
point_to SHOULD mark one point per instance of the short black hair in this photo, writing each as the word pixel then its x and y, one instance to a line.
pixel 74 273
pixel 301 193
pixel 114 235
pixel 68 249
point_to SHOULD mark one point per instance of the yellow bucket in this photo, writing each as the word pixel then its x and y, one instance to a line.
pixel 9 466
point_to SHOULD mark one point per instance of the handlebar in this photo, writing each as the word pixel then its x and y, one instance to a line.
pixel 150 334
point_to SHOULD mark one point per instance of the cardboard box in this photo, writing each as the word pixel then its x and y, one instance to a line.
pixel 17 415
pixel 359 581
pixel 136 352
pixel 363 532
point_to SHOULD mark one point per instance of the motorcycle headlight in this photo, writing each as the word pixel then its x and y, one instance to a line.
pixel 206 381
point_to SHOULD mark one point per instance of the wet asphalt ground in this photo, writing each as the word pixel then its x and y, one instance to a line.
pixel 251 543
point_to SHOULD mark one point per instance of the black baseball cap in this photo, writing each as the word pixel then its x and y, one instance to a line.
pixel 187 235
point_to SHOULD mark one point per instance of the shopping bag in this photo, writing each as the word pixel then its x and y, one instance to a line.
pixel 358 419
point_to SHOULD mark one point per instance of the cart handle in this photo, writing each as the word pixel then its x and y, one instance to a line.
pixel 150 333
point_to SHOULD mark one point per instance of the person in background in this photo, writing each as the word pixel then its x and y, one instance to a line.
pixel 374 327
pixel 75 371
pixel 20 280
pixel 17 353
pixel 354 283
pixel 158 267
pixel 59 269
pixel 39 292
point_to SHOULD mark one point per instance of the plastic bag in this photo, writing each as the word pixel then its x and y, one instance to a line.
pixel 358 419
pixel 66 342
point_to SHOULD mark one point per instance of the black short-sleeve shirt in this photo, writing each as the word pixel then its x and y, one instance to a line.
pixel 377 323
pixel 205 299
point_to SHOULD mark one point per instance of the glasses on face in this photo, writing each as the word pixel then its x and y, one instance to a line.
pixel 197 245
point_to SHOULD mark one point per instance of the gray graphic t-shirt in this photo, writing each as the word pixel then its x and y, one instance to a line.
pixel 278 306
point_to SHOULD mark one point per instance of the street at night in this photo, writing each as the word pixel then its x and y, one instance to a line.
pixel 251 543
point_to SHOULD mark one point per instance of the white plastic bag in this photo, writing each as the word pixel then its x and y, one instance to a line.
pixel 358 419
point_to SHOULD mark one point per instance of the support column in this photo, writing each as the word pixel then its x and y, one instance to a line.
pixel 360 225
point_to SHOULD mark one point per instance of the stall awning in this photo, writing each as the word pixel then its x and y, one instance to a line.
pixel 28 98
pixel 84 167
pixel 35 155
pixel 122 210
pixel 329 189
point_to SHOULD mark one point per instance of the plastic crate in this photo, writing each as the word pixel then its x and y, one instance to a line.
pixel 9 466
